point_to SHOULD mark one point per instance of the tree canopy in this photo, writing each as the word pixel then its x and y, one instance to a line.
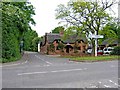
pixel 58 29
pixel 88 17
pixel 16 19
pixel 91 16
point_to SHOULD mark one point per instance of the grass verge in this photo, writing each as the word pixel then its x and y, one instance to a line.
pixel 93 58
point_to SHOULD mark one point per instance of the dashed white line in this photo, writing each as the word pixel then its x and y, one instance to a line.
pixel 48 62
pixel 107 86
pixel 31 73
pixel 51 71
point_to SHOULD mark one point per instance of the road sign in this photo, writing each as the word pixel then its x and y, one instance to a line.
pixel 97 36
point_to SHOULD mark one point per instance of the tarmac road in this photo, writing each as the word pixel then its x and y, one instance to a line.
pixel 44 71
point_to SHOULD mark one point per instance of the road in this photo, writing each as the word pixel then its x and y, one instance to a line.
pixel 44 71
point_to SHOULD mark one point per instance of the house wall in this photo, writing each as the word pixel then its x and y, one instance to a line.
pixel 45 49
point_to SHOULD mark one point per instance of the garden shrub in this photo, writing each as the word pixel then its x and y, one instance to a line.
pixel 116 51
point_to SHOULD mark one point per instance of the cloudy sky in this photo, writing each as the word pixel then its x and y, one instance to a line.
pixel 45 14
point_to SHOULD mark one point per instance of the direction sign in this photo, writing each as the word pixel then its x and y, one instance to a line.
pixel 97 36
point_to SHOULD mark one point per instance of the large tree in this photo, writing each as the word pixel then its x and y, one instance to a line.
pixel 58 29
pixel 28 38
pixel 111 32
pixel 91 16
pixel 16 17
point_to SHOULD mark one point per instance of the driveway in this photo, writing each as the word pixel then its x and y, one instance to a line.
pixel 44 71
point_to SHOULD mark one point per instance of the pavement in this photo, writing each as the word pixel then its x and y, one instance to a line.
pixel 46 71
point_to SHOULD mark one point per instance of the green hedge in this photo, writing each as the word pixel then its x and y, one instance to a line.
pixel 116 51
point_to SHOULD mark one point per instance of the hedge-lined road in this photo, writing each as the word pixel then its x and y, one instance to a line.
pixel 42 71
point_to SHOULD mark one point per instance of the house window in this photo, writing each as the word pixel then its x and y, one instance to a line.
pixel 84 47
pixel 57 48
pixel 79 48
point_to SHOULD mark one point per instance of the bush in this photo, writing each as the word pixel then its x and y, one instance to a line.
pixel 116 51
pixel 60 46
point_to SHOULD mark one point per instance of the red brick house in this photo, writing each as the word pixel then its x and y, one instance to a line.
pixel 52 43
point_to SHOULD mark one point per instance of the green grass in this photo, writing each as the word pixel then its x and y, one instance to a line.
pixel 93 58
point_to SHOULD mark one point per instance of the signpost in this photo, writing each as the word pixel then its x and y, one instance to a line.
pixel 96 44
pixel 97 36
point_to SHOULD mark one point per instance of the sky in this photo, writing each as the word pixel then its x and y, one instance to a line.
pixel 45 15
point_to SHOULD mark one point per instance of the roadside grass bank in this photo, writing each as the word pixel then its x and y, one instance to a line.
pixel 93 58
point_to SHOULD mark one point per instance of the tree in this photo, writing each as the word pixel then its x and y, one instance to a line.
pixel 58 29
pixel 110 31
pixel 28 40
pixel 35 42
pixel 91 16
pixel 16 17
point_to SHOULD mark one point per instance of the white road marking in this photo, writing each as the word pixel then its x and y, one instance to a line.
pixel 10 65
pixel 32 73
pixel 114 83
pixel 107 86
pixel 48 62
pixel 93 87
pixel 24 62
pixel 43 60
pixel 51 71
pixel 13 64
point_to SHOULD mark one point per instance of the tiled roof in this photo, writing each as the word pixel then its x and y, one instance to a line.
pixel 71 39
pixel 108 41
pixel 52 36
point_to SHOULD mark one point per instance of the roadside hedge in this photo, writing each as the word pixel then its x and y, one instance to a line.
pixel 116 51
pixel 16 20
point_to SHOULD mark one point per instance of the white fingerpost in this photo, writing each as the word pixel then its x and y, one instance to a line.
pixel 95 44
pixel 95 36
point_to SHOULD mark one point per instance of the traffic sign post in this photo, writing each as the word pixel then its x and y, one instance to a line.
pixel 95 36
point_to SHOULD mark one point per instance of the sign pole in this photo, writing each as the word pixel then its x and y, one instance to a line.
pixel 96 44
pixel 95 36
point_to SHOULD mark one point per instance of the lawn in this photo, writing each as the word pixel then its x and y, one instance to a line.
pixel 93 58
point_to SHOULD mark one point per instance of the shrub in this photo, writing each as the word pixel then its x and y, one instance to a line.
pixel 60 46
pixel 116 51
